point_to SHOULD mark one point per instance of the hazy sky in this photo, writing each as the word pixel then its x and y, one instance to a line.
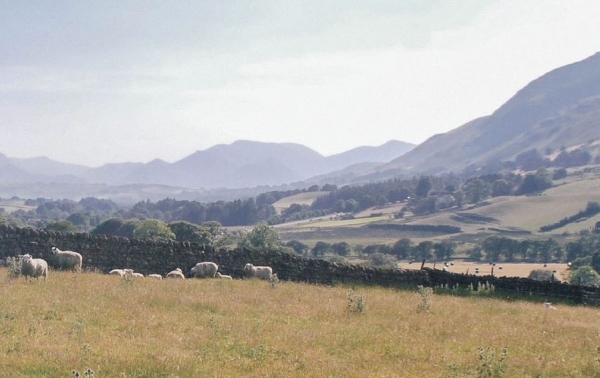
pixel 94 82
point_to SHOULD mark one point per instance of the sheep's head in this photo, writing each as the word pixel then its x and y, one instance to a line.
pixel 54 250
pixel 26 258
pixel 248 266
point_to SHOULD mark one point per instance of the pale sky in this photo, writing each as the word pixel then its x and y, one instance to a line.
pixel 95 82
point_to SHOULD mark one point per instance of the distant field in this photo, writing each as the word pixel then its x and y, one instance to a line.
pixel 306 198
pixel 510 216
pixel 10 206
pixel 508 269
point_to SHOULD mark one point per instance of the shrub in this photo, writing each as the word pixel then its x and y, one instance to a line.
pixel 357 304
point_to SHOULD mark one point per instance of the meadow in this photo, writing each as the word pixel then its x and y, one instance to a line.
pixel 248 328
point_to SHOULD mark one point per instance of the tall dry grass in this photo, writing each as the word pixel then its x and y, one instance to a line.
pixel 247 328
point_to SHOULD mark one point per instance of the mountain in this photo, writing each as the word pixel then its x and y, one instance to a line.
pixel 242 164
pixel 368 154
pixel 560 109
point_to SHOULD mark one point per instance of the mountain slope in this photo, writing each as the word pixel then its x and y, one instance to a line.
pixel 242 164
pixel 559 109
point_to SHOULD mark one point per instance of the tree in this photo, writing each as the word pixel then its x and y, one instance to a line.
pixel 585 275
pixel 341 248
pixel 444 250
pixel 298 247
pixel 423 250
pixel 261 238
pixel 320 248
pixel 61 226
pixel 537 182
pixel 401 248
pixel 423 187
pixel 530 160
pixel 116 227
pixel 501 188
pixel 153 229
pixel 596 262
pixel 560 173
pixel 476 190
pixel 185 231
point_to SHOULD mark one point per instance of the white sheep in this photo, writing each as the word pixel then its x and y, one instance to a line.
pixel 137 275
pixel 117 272
pixel 68 260
pixel 263 272
pixel 34 268
pixel 219 275
pixel 204 269
pixel 155 276
pixel 177 273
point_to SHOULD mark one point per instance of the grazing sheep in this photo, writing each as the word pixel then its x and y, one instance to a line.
pixel 263 272
pixel 34 268
pixel 155 276
pixel 138 275
pixel 68 260
pixel 204 269
pixel 117 272
pixel 177 274
pixel 219 275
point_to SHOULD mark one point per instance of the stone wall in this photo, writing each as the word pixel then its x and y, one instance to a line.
pixel 104 253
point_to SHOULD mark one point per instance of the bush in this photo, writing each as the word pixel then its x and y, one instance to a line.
pixel 585 275
pixel 541 275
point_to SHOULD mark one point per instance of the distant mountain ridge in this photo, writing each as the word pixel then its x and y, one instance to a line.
pixel 242 164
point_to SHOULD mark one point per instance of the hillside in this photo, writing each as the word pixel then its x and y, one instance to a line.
pixel 510 216
pixel 559 109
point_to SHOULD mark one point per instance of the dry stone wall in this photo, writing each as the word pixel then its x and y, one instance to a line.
pixel 104 253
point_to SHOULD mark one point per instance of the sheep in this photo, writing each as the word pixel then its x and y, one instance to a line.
pixel 128 272
pixel 155 276
pixel 137 275
pixel 31 267
pixel 117 272
pixel 204 269
pixel 177 273
pixel 264 272
pixel 219 275
pixel 67 259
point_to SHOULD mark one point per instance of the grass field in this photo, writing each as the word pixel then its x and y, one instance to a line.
pixel 246 328
pixel 508 269
pixel 305 198
pixel 507 215
pixel 13 205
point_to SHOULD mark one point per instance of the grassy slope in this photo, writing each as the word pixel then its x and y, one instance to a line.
pixel 527 213
pixel 306 198
pixel 246 328
pixel 13 205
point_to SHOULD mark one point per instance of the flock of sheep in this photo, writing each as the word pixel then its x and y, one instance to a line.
pixel 70 260
pixel 205 269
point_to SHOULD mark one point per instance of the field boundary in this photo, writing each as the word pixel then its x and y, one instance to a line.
pixel 103 253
